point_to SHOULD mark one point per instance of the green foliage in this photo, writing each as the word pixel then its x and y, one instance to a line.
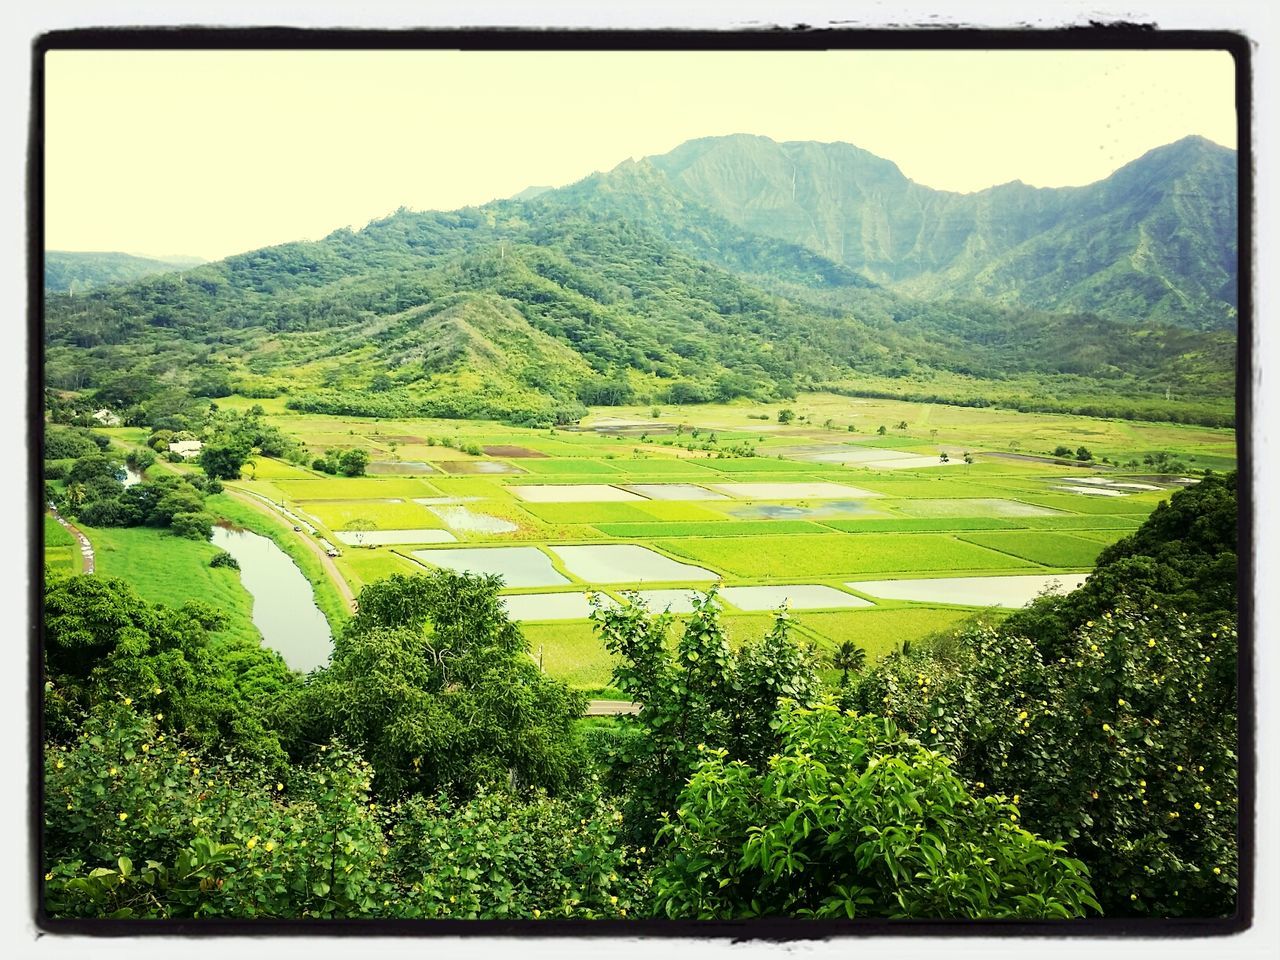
pixel 699 693
pixel 496 856
pixel 352 463
pixel 1124 746
pixel 101 638
pixel 224 559
pixel 139 824
pixel 223 458
pixel 433 684
pixel 851 819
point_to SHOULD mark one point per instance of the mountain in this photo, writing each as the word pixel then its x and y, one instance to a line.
pixel 74 272
pixel 1155 240
pixel 631 286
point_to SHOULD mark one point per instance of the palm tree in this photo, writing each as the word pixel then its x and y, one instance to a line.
pixel 848 656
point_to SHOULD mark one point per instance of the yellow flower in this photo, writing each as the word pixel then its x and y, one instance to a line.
pixel 253 842
pixel 1179 768
pixel 146 747
pixel 1122 703
pixel 1133 896
pixel 980 784
pixel 158 691
pixel 1217 871
pixel 123 816
pixel 48 876
pixel 933 729
pixel 1017 798
pixel 159 716
pixel 613 899
pixel 1022 715
pixel 1106 728
pixel 59 765
pixel 279 786
pixel 269 846
pixel 1142 783
pixel 1197 806
pixel 128 700
pixel 1151 643
pixel 536 913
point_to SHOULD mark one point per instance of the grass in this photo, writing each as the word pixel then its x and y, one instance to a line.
pixel 360 567
pixel 168 569
pixel 570 652
pixel 831 555
pixel 1084 503
pixel 757 465
pixel 920 525
pixel 1050 549
pixel 1105 537
pixel 269 468
pixel 385 516
pixel 327 597
pixel 356 488
pixel 62 561
pixel 568 467
pixel 879 632
pixel 1125 523
pixel 55 534
pixel 628 512
pixel 723 528
pixel 666 467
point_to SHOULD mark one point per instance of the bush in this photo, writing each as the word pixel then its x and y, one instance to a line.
pixel 224 559
pixel 193 526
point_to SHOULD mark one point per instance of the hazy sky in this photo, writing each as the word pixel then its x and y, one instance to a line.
pixel 211 153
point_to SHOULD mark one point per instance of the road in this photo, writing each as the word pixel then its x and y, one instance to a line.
pixel 86 548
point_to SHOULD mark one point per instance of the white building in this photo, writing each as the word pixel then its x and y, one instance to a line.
pixel 186 448
pixel 107 418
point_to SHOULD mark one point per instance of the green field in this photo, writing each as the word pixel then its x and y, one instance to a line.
pixel 927 521
pixel 834 555
pixel 168 569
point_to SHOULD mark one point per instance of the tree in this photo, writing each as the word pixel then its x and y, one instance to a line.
pixel 848 656
pixel 224 457
pixel 359 527
pixel 968 459
pixel 943 457
pixel 192 526
pixel 352 463
pixel 881 430
pixel 851 819
pixel 1083 455
pixel 434 685
pixel 786 415
pixel 1061 450
pixel 900 425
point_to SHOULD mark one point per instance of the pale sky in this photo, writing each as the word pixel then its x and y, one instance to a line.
pixel 210 153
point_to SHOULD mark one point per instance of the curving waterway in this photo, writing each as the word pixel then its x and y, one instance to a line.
pixel 284 606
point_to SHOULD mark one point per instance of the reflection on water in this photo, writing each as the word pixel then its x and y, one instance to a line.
pixel 284 607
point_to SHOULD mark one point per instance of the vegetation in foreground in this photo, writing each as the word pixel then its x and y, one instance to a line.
pixel 1047 768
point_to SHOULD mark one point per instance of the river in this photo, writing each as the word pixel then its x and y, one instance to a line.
pixel 284 607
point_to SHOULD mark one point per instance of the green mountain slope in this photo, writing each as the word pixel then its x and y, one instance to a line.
pixel 73 272
pixel 620 288
pixel 1156 239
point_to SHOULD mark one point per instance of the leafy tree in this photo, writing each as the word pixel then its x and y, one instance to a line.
pixel 103 642
pixel 359 527
pixel 786 415
pixel 497 856
pixel 1062 450
pixel 224 457
pixel 943 457
pixel 881 430
pixel 193 526
pixel 851 819
pixel 848 657
pixel 96 466
pixel 698 693
pixel 141 823
pixel 1124 746
pixel 434 684
pixel 1083 455
pixel 352 463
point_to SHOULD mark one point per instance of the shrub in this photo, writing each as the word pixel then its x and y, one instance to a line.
pixel 224 559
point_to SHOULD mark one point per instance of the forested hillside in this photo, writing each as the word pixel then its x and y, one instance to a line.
pixel 625 287
pixel 68 272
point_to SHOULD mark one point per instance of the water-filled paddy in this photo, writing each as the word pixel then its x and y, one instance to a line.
pixel 469 521
pixel 626 563
pixel 673 601
pixel 803 596
pixel 477 467
pixel 572 493
pixel 383 538
pixel 675 491
pixel 780 511
pixel 551 606
pixel 1093 491
pixel 1014 591
pixel 793 491
pixel 518 566
pixel 398 467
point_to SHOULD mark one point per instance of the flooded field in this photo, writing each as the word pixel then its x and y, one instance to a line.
pixel 518 566
pixel 507 450
pixel 383 468
pixel 780 511
pixel 469 521
pixel 1013 591
pixel 572 493
pixel 385 538
pixel 804 596
pixel 626 563
pixel 551 606
pixel 477 467
pixel 793 491
pixel 675 491
pixel 673 601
